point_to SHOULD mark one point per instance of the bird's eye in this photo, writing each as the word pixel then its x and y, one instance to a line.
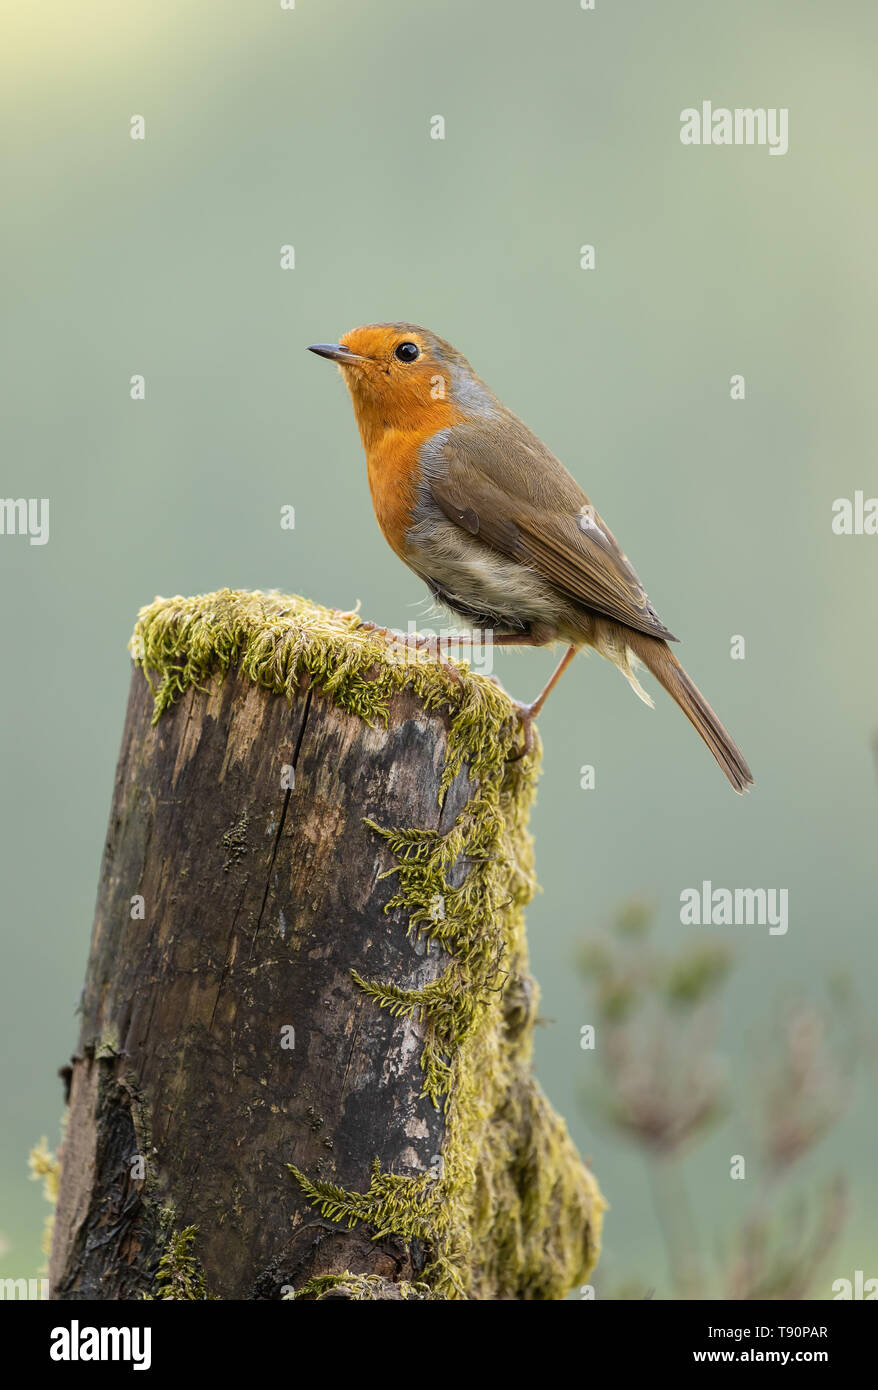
pixel 407 352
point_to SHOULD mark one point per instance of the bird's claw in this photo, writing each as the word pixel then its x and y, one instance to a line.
pixel 434 646
pixel 527 715
pixel 419 642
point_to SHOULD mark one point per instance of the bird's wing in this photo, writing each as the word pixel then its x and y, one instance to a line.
pixel 504 486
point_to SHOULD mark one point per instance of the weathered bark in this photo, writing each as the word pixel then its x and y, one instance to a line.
pixel 259 899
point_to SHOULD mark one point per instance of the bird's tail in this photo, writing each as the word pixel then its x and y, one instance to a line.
pixel 660 660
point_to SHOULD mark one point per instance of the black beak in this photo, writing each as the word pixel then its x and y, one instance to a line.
pixel 336 352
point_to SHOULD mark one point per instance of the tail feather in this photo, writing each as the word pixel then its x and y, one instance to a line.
pixel 660 660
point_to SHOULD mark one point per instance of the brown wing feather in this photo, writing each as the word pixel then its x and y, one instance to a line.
pixel 519 499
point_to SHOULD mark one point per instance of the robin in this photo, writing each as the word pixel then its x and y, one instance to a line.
pixel 496 527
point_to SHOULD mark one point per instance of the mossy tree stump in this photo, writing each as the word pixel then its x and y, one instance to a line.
pixel 307 1017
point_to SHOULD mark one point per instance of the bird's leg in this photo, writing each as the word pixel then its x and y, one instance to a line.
pixel 534 709
pixel 523 638
pixel 469 639
pixel 529 712
pixel 419 642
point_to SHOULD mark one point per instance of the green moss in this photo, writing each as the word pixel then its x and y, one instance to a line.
pixel 471 929
pixel 45 1165
pixel 360 1288
pixel 275 639
pixel 393 1205
pixel 511 1212
pixel 179 1275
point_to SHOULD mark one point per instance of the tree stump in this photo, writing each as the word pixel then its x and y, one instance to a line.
pixel 303 1066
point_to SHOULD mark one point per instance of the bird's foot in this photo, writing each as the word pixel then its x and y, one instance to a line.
pixel 416 641
pixel 433 646
pixel 527 715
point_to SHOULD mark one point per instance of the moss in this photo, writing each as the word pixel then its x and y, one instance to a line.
pixel 471 929
pixel 179 1275
pixel 511 1212
pixel 393 1205
pixel 274 639
pixel 360 1288
pixel 45 1165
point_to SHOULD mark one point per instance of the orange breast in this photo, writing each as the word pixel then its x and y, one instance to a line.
pixel 392 458
pixel 394 476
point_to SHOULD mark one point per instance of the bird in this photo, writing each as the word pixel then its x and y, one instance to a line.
pixel 500 532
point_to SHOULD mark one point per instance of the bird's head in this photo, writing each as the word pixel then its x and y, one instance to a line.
pixel 402 376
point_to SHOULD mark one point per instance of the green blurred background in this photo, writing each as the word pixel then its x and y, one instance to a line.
pixel 162 257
